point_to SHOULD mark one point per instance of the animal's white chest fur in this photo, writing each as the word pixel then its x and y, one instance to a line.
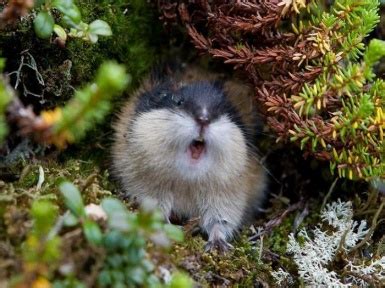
pixel 157 164
pixel 162 138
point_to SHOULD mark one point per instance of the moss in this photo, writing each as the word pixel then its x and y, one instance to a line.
pixel 85 174
pixel 135 40
pixel 16 198
pixel 240 267
pixel 277 241
pixel 30 178
pixel 24 44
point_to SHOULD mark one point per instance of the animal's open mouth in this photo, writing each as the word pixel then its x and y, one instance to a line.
pixel 197 148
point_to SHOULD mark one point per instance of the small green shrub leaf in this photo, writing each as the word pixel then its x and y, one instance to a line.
pixel 92 232
pixel 72 198
pixel 111 206
pixel 174 232
pixel 93 38
pixel 69 9
pixel 69 219
pixel 43 24
pixel 62 4
pixel 100 27
pixel 60 32
pixel 180 280
pixel 117 214
pixel 44 213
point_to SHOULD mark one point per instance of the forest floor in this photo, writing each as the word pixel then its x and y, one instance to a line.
pixel 297 193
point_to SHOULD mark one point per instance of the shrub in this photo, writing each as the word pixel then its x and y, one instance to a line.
pixel 313 74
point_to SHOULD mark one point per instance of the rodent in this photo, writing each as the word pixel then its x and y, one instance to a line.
pixel 186 141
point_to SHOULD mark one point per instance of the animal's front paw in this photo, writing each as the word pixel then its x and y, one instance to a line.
pixel 220 245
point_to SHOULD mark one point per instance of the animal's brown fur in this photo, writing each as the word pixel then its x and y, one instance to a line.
pixel 222 198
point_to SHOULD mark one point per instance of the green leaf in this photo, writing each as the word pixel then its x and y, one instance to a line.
pixel 70 10
pixel 111 205
pixel 93 38
pixel 117 214
pixel 104 278
pixel 375 51
pixel 180 280
pixel 100 27
pixel 113 239
pixel 44 213
pixel 174 232
pixel 69 219
pixel 2 64
pixel 62 4
pixel 92 232
pixel 112 76
pixel 43 24
pixel 60 32
pixel 136 275
pixel 72 199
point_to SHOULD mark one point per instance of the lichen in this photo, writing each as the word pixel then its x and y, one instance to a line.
pixel 316 253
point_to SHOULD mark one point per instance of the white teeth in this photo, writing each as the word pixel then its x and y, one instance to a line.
pixel 200 139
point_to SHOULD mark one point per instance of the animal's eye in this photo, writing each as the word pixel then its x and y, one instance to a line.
pixel 163 94
pixel 177 99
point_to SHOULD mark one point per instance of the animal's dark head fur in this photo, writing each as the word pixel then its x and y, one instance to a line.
pixel 203 99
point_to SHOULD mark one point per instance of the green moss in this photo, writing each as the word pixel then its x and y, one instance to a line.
pixel 23 44
pixel 277 240
pixel 135 43
pixel 135 40
pixel 240 267
pixel 31 177
pixel 86 174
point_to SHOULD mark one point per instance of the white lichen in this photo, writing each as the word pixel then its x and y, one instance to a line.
pixel 376 267
pixel 313 252
pixel 280 276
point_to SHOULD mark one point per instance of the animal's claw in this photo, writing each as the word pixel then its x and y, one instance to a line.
pixel 220 245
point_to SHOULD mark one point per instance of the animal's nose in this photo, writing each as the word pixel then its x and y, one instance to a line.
pixel 203 120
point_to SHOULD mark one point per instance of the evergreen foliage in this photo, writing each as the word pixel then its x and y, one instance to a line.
pixel 315 79
pixel 69 123
pixel 5 98
pixel 346 89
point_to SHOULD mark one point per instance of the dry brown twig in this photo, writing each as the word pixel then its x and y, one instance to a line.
pixel 13 10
